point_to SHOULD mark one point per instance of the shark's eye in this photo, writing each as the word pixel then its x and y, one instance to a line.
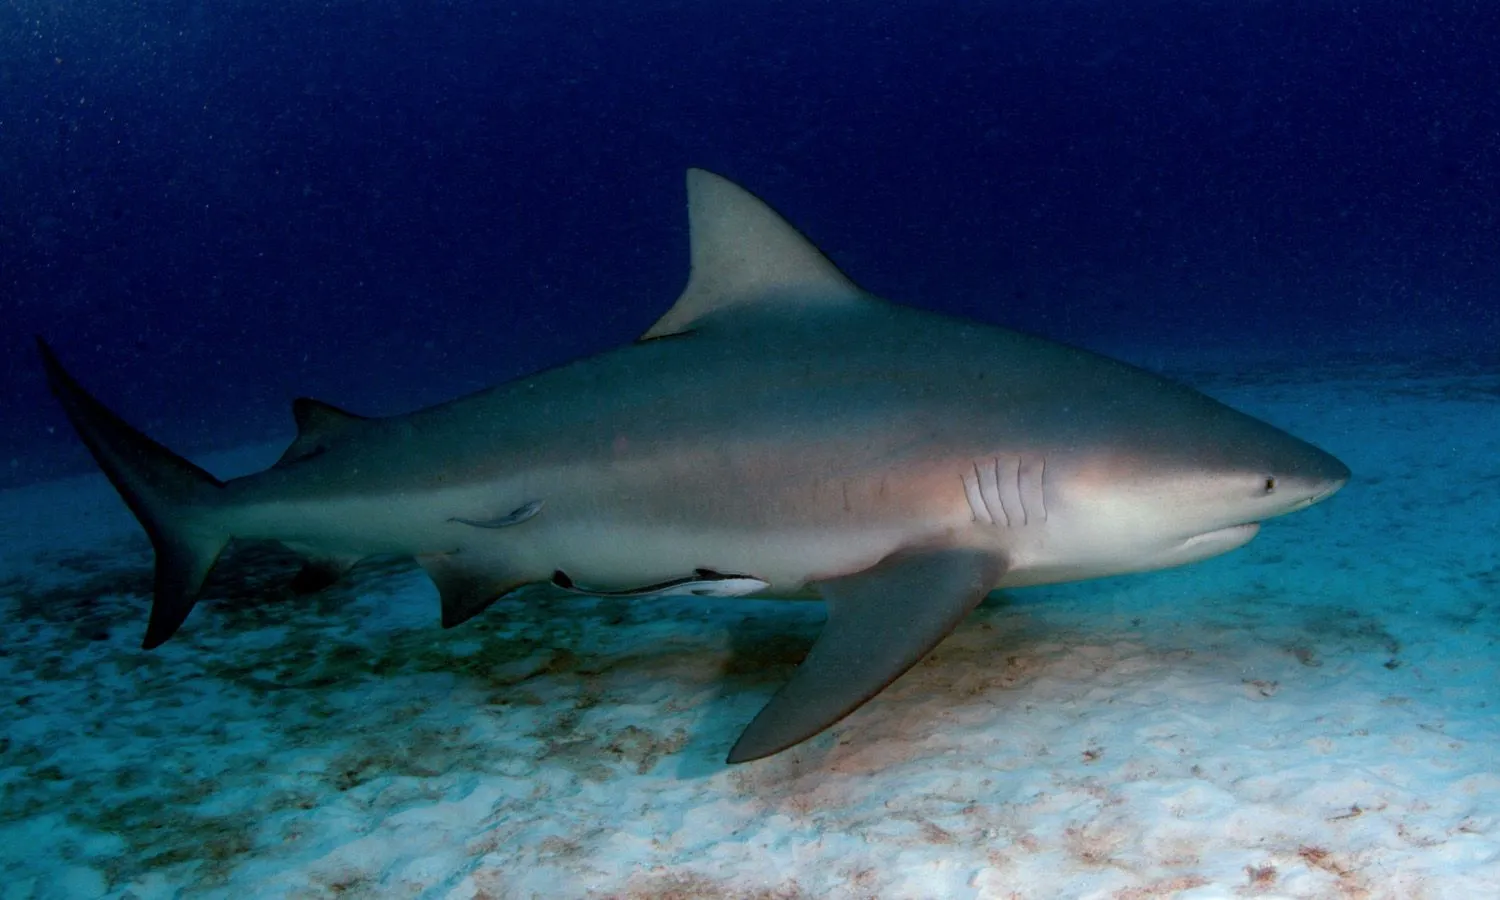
pixel 1270 484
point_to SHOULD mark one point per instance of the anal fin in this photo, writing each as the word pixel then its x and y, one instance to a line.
pixel 465 589
pixel 320 573
pixel 881 622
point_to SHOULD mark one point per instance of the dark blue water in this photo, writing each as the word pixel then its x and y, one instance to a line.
pixel 212 208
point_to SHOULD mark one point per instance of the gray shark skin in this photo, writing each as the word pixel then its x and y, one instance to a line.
pixel 777 422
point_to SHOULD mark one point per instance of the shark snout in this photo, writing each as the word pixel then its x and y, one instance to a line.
pixel 1332 472
pixel 1319 474
pixel 1333 484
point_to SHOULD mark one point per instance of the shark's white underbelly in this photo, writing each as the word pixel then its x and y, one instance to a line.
pixel 618 558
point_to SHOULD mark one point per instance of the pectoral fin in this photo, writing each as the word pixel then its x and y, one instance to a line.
pixel 880 623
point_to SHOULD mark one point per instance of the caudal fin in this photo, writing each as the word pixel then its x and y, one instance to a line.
pixel 175 501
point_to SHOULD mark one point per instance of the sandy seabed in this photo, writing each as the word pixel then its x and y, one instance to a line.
pixel 1312 716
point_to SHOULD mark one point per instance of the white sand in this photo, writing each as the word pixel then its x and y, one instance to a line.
pixel 1311 716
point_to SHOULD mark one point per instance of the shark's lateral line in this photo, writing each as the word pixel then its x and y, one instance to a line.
pixel 900 463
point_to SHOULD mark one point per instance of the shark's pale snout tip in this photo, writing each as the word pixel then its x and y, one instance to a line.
pixel 1332 476
pixel 1339 473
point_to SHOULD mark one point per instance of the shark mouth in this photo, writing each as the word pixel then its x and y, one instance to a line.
pixel 1322 496
pixel 1234 535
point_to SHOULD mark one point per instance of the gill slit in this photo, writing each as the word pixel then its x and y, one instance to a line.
pixel 1042 490
pixel 987 484
pixel 1021 491
pixel 989 489
pixel 977 507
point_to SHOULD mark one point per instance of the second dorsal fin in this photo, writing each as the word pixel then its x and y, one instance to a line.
pixel 318 424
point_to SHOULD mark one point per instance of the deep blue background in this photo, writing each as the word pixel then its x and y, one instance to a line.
pixel 213 207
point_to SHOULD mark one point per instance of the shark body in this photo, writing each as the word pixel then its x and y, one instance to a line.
pixel 777 422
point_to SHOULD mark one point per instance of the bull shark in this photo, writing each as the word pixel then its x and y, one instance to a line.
pixel 778 423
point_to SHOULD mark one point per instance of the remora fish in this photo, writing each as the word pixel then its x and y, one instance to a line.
pixel 702 583
pixel 777 421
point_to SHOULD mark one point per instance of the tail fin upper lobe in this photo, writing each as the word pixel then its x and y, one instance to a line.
pixel 175 501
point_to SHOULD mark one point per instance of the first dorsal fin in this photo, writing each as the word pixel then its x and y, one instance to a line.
pixel 743 250
pixel 318 423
